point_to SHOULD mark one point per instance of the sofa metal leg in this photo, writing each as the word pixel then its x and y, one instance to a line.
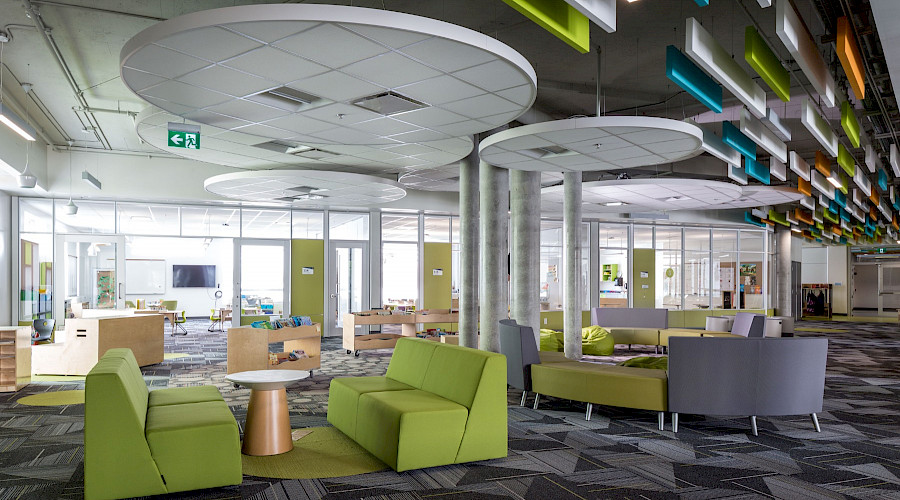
pixel 524 397
pixel 753 425
pixel 662 420
pixel 815 420
pixel 587 416
pixel 656 349
pixel 536 398
pixel 674 422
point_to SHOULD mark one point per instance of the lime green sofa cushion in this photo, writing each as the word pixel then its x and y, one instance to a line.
pixel 184 395
pixel 449 406
pixel 134 449
pixel 343 398
pixel 411 429
pixel 653 362
pixel 639 336
pixel 602 384
pixel 597 341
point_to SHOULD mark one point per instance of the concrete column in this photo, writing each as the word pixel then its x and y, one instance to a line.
pixel 783 298
pixel 468 249
pixel 525 225
pixel 572 264
pixel 494 190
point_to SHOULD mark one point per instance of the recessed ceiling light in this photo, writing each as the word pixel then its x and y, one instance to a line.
pixel 615 203
pixel 794 229
pixel 389 103
pixel 678 198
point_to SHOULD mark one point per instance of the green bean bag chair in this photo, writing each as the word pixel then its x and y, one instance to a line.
pixel 595 341
pixel 654 362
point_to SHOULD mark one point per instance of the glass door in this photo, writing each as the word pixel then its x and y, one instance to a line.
pixel 90 273
pixel 348 282
pixel 261 280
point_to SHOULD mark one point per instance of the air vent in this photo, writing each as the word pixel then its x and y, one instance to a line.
pixel 548 152
pixel 389 103
pixel 300 197
pixel 288 99
pixel 310 152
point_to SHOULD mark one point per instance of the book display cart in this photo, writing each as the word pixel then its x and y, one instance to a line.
pixel 248 348
pixel 354 343
pixel 15 357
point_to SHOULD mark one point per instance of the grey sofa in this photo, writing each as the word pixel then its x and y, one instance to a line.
pixel 517 343
pixel 632 325
pixel 750 377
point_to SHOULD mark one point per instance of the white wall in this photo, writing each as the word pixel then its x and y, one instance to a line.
pixel 6 260
pixel 828 264
pixel 196 302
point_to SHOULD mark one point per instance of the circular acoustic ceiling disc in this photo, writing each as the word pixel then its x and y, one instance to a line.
pixel 306 188
pixel 651 195
pixel 761 196
pixel 327 74
pixel 590 144
pixel 445 178
pixel 234 149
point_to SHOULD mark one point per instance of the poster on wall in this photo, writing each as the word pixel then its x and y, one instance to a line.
pixel 748 269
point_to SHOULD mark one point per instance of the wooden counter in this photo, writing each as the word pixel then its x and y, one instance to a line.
pixel 15 357
pixel 354 343
pixel 87 339
pixel 248 348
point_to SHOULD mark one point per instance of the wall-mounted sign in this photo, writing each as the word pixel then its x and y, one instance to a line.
pixel 645 274
pixel 309 270
pixel 437 272
pixel 645 286
pixel 670 272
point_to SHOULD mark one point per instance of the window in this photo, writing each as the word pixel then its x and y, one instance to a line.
pixel 93 217
pixel 348 226
pixel 157 220
pixel 265 223
pixel 307 225
pixel 437 229
pixel 724 269
pixel 399 227
pixel 210 221
pixel 643 237
pixel 400 260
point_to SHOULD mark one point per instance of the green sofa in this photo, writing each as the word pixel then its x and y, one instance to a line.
pixel 438 404
pixel 139 443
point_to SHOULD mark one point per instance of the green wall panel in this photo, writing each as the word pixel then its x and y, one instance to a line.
pixel 554 319
pixel 308 290
pixel 437 289
pixel 559 18
pixel 766 64
pixel 644 260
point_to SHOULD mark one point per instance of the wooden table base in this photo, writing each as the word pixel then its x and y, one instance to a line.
pixel 267 430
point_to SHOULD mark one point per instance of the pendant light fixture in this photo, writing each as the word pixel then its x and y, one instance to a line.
pixel 71 207
pixel 27 179
pixel 3 116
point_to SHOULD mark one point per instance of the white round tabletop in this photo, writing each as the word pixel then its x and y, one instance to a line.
pixel 267 380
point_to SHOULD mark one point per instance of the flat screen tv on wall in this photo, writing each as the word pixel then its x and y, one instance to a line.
pixel 193 276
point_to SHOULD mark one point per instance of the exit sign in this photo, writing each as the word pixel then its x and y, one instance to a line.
pixel 183 135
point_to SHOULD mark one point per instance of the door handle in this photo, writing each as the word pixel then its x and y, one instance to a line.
pixel 333 295
pixel 120 291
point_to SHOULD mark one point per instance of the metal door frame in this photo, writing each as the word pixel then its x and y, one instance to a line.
pixel 236 309
pixel 59 269
pixel 331 284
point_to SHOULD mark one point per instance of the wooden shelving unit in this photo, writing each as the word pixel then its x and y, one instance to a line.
pixel 354 343
pixel 610 272
pixel 248 348
pixel 816 311
pixel 15 358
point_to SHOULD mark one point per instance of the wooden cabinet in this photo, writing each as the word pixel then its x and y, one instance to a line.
pixel 15 357
pixel 248 348
pixel 355 343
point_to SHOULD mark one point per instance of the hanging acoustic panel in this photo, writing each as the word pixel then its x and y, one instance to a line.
pixel 804 186
pixel 871 158
pixel 692 79
pixel 777 169
pixel 757 170
pixel 895 160
pixel 751 219
pixel 841 200
pixel 882 179
pixel 766 64
pixel 777 125
pixel 817 216
pixel 821 184
pixel 778 218
pixel 713 145
pixel 845 160
pixel 737 140
pixel 857 197
pixel 737 174
pixel 702 3
pixel 600 12
pixel 849 123
pixel 795 37
pixel 704 50
pixel 761 135
pixel 789 216
pixel 823 164
pixel 851 59
pixel 808 202
pixel 803 216
pixel 799 166
pixel 559 18
pixel 862 181
pixel 818 127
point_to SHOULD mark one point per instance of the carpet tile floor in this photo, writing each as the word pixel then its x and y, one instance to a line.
pixel 553 452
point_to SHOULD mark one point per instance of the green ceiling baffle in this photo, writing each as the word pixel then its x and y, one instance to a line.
pixel 849 123
pixel 559 18
pixel 766 64
pixel 845 160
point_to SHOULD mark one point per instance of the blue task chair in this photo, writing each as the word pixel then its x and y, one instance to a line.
pixel 43 330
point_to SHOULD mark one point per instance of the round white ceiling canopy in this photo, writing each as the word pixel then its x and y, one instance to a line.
pixel 762 196
pixel 591 144
pixel 306 188
pixel 445 178
pixel 327 74
pixel 234 149
pixel 660 194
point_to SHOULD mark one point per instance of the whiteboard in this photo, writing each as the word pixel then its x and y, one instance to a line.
pixel 145 276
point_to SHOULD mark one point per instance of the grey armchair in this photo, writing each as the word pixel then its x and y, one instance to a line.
pixel 750 325
pixel 752 377
pixel 518 345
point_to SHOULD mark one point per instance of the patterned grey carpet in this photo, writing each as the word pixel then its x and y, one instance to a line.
pixel 553 452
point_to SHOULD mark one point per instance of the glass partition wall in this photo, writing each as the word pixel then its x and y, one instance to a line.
pixel 694 266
